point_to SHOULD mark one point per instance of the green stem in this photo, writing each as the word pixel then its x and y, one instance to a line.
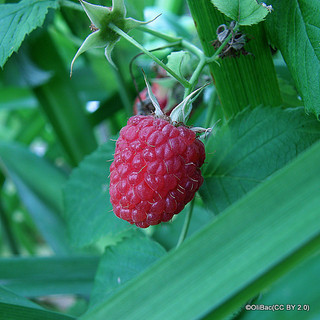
pixel 183 81
pixel 71 5
pixel 160 34
pixel 195 76
pixel 240 80
pixel 192 48
pixel 186 224
pixel 183 43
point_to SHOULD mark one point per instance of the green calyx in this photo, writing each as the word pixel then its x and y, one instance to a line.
pixel 181 112
pixel 179 115
pixel 103 36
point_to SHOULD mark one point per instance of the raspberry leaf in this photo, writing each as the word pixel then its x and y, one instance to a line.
pixel 250 148
pixel 177 60
pixel 19 19
pixel 295 29
pixel 137 252
pixel 88 209
pixel 245 12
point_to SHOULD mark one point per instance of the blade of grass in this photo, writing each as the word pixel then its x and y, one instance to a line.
pixel 61 103
pixel 9 297
pixel 34 277
pixel 17 312
pixel 244 250
pixel 300 287
pixel 39 185
pixel 7 230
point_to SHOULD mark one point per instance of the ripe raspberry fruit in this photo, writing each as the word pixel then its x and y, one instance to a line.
pixel 155 172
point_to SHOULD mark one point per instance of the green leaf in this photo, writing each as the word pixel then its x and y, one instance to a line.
pixel 294 28
pixel 19 19
pixel 88 209
pixel 39 186
pixel 33 277
pixel 244 250
pixel 298 288
pixel 17 312
pixel 245 12
pixel 123 262
pixel 61 102
pixel 12 98
pixel 9 297
pixel 251 147
pixel 176 61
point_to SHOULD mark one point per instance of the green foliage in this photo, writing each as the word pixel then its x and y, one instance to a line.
pixel 103 37
pixel 252 232
pixel 294 28
pixel 89 220
pixel 245 12
pixel 251 147
pixel 39 185
pixel 176 60
pixel 42 276
pixel 19 19
pixel 7 296
pixel 225 264
pixel 123 262
pixel 17 312
pixel 290 290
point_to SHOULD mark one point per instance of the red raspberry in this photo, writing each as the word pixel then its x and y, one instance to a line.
pixel 155 172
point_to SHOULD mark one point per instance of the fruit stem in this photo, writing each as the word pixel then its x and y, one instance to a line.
pixel 186 224
pixel 195 76
pixel 71 5
pixel 183 81
pixel 183 43
pixel 160 34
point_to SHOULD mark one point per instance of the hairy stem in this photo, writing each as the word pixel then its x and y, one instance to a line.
pixel 183 81
pixel 195 77
pixel 183 43
pixel 186 224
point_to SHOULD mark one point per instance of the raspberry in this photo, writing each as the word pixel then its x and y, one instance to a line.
pixel 155 172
